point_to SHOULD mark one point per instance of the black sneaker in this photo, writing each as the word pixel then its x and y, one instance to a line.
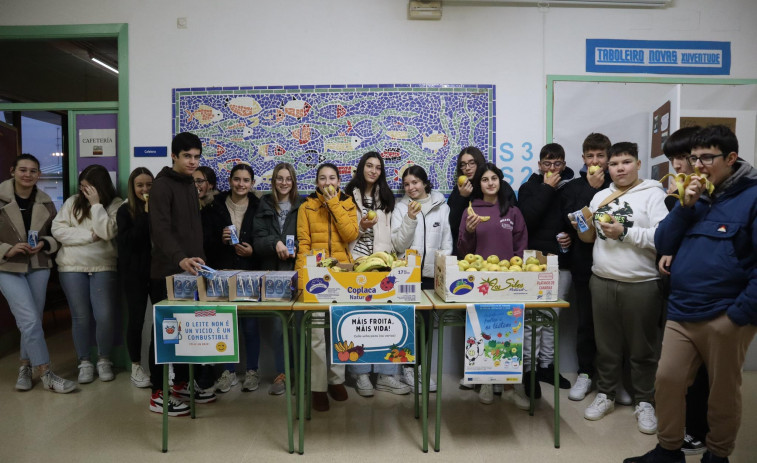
pixel 692 445
pixel 659 455
pixel 202 396
pixel 710 458
pixel 547 375
pixel 527 384
pixel 175 406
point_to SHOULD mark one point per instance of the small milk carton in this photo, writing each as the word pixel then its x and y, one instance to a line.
pixel 215 288
pixel 181 287
pixel 279 286
pixel 246 286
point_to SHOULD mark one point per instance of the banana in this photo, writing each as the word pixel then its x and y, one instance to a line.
pixel 385 256
pixel 352 344
pixel 484 218
pixel 361 259
pixel 371 263
pixel 683 180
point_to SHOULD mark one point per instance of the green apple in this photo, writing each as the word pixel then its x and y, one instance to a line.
pixel 605 218
pixel 471 269
pixel 515 260
pixel 476 264
pixel 532 260
pixel 470 257
pixel 493 259
pixel 370 215
pixel 463 264
pixel 593 169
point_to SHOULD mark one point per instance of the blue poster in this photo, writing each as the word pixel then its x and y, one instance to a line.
pixel 373 334
pixel 658 56
pixel 195 333
pixel 494 343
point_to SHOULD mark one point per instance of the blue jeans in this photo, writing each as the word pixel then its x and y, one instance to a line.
pixel 249 326
pixel 26 293
pixel 91 293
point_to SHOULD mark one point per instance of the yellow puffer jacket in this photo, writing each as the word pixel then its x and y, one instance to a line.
pixel 326 225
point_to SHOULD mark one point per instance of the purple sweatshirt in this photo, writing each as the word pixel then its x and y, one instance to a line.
pixel 504 236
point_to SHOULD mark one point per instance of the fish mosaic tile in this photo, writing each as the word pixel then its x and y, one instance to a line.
pixel 305 125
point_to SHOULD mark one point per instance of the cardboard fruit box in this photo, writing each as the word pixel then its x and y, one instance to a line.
pixel 455 285
pixel 341 284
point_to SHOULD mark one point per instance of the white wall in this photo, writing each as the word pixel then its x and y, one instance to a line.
pixel 246 42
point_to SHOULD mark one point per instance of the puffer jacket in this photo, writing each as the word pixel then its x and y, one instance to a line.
pixel 79 252
pixel 267 232
pixel 12 230
pixel 426 236
pixel 328 226
pixel 714 245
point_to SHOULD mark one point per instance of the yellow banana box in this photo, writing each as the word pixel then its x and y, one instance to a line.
pixel 454 282
pixel 339 283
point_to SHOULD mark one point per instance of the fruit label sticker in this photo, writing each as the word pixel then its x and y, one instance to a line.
pixel 370 334
pixel 494 343
pixel 195 333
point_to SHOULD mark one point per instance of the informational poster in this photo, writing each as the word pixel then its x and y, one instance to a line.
pixel 494 343
pixel 195 334
pixel 97 143
pixel 660 129
pixel 373 334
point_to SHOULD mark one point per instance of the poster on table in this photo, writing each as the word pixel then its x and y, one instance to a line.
pixel 100 143
pixel 372 334
pixel 494 343
pixel 195 334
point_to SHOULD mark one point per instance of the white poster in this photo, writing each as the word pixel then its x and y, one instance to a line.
pixel 97 143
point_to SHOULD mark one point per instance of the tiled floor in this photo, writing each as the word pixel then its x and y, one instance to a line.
pixel 110 422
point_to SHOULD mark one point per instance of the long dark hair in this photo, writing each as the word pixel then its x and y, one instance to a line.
pixel 97 176
pixel 135 200
pixel 380 193
pixel 293 193
pixel 503 198
pixel 478 156
pixel 419 173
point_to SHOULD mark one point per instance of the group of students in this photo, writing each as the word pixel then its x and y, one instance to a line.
pixel 617 270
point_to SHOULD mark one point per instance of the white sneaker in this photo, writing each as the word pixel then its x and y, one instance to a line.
pixel 227 380
pixel 622 396
pixel 24 381
pixel 55 383
pixel 363 384
pixel 251 381
pixel 517 395
pixel 392 383
pixel 646 418
pixel 105 370
pixel 580 388
pixel 486 394
pixel 407 378
pixel 86 372
pixel 600 407
pixel 139 377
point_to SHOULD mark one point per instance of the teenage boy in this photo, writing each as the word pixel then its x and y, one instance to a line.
pixel 678 148
pixel 539 202
pixel 712 308
pixel 625 285
pixel 176 235
pixel 573 196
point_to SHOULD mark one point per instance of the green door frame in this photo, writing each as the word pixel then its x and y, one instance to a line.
pixel 551 79
pixel 121 107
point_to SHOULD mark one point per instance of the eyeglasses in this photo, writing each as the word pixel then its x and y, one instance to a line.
pixel 705 159
pixel 200 181
pixel 284 179
pixel 548 164
pixel 469 164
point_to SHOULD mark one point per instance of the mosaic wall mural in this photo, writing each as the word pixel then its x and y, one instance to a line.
pixel 306 125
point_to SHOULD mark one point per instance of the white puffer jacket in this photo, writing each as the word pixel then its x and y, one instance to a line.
pixel 426 236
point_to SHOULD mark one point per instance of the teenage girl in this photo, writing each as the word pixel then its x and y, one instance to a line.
pixel 134 249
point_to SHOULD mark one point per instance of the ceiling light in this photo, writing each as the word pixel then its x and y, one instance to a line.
pixel 424 10
pixel 104 64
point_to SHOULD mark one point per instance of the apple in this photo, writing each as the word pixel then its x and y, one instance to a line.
pixel 370 215
pixel 471 269
pixel 461 180
pixel 470 258
pixel 331 189
pixel 515 260
pixel 605 218
pixel 463 264
pixel 515 268
pixel 493 259
pixel 532 260
pixel 476 264
pixel 549 174
pixel 504 263
pixel 543 267
pixel 479 258
pixel 492 267
pixel 533 268
pixel 593 169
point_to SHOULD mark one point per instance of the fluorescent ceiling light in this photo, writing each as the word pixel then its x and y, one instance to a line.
pixel 105 65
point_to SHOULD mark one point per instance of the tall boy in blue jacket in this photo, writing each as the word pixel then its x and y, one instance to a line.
pixel 712 308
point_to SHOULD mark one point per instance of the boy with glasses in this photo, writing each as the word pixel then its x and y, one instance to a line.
pixel 547 232
pixel 712 308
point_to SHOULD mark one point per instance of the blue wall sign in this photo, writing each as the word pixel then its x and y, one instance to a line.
pixel 150 151
pixel 658 57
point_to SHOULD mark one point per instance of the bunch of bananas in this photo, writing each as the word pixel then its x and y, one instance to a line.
pixel 343 346
pixel 484 218
pixel 683 180
pixel 378 261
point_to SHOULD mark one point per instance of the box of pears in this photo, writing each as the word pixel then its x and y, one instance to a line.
pixel 378 278
pixel 532 277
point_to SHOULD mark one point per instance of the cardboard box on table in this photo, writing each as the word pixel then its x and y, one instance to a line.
pixel 181 287
pixel 279 285
pixel 246 286
pixel 454 285
pixel 218 288
pixel 327 285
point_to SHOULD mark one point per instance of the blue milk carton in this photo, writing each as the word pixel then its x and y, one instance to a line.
pixel 280 285
pixel 245 286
